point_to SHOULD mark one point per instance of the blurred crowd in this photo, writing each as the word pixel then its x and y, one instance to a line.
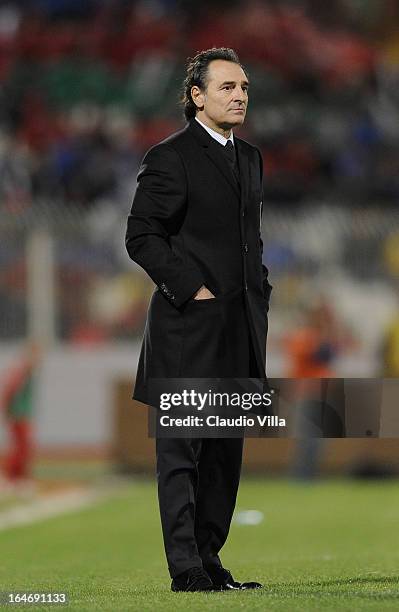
pixel 86 86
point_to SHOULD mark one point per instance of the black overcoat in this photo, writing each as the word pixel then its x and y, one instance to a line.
pixel 192 224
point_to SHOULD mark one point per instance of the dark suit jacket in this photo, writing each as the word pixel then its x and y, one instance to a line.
pixel 192 224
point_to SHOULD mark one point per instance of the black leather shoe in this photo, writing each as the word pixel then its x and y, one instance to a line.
pixel 224 581
pixel 193 579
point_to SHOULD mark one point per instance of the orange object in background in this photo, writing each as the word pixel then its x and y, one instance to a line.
pixel 310 354
pixel 312 348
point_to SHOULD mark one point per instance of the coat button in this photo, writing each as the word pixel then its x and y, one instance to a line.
pixel 245 247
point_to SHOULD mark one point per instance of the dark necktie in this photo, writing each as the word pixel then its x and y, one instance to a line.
pixel 231 156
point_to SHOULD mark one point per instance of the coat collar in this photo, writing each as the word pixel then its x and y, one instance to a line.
pixel 214 152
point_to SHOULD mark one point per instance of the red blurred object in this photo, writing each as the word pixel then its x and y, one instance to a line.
pixel 18 463
pixel 39 129
pixel 149 132
pixel 17 400
pixel 88 334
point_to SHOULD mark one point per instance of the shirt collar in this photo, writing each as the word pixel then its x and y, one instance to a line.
pixel 221 139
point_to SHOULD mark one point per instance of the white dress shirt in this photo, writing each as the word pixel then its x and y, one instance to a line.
pixel 221 139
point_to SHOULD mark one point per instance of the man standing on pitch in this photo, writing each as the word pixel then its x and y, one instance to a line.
pixel 194 227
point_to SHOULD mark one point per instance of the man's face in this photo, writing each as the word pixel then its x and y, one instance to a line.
pixel 225 99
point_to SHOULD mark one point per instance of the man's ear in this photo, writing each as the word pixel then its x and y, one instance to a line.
pixel 198 97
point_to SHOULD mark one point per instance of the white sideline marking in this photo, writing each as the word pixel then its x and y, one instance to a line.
pixel 54 505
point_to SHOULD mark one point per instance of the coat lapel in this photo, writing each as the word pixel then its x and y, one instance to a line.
pixel 244 168
pixel 214 152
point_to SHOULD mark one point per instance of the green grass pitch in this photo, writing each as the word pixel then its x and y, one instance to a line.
pixel 331 545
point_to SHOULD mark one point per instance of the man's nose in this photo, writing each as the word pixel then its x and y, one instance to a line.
pixel 239 95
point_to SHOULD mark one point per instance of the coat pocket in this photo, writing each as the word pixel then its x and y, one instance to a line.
pixel 201 303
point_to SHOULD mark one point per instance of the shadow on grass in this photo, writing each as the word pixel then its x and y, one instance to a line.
pixel 339 588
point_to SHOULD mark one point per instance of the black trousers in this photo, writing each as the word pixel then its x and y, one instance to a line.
pixel 197 487
pixel 198 481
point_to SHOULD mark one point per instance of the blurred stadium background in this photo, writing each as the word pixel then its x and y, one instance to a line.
pixel 86 87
